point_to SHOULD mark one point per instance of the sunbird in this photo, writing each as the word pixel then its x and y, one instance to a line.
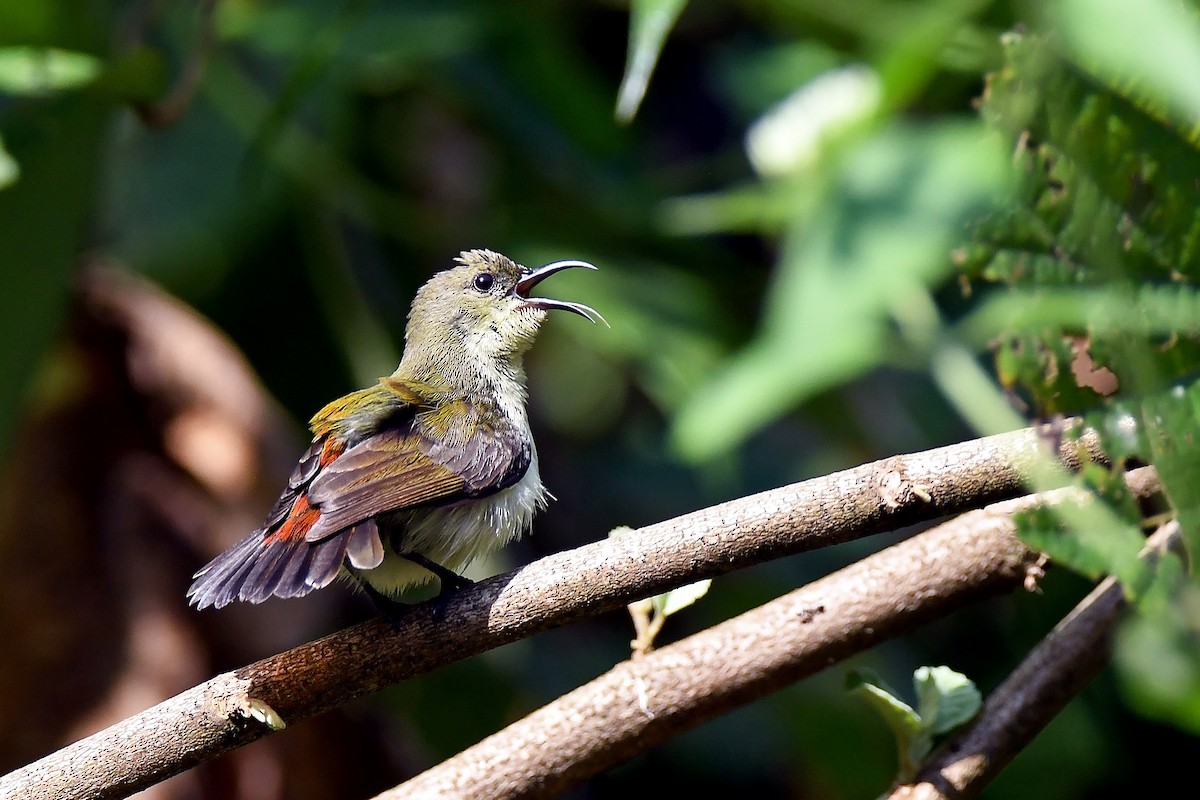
pixel 428 469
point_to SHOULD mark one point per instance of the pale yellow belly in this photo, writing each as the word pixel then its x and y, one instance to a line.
pixel 453 536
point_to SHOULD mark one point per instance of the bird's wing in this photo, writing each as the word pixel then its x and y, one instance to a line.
pixel 436 453
pixel 426 461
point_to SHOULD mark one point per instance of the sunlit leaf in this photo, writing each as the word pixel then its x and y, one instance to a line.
pixel 1152 310
pixel 945 699
pixel 1102 253
pixel 675 600
pixel 900 716
pixel 1147 49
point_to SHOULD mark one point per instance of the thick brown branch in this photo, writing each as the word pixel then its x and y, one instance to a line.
pixel 644 701
pixel 211 718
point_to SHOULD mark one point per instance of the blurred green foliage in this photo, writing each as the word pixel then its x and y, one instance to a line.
pixel 785 228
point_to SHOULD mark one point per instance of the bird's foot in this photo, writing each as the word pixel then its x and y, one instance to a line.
pixel 391 610
pixel 450 580
pixel 446 594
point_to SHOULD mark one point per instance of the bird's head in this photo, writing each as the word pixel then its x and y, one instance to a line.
pixel 480 312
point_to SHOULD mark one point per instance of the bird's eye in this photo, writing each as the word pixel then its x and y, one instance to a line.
pixel 484 281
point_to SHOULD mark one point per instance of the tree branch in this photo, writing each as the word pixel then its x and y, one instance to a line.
pixel 1053 673
pixel 643 701
pixel 223 713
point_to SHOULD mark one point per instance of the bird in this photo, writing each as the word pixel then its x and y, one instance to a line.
pixel 411 479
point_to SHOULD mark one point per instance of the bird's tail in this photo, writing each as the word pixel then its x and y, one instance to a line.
pixel 263 565
pixel 281 559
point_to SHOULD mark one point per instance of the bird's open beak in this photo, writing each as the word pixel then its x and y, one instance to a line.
pixel 534 277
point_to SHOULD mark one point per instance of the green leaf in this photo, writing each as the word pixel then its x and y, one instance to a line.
pixel 1107 189
pixel 945 699
pixel 35 71
pixel 1172 423
pixel 1110 38
pixel 1102 253
pixel 913 739
pixel 1088 541
pixel 1150 310
pixel 900 716
pixel 1157 651
pixel 649 23
pixel 668 603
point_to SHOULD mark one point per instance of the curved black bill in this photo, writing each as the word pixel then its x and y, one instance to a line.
pixel 534 277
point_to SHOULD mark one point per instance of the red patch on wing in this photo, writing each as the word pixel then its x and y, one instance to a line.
pixel 297 523
pixel 303 515
pixel 331 450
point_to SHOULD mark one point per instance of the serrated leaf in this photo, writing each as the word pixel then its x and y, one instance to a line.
pixel 1107 188
pixel 668 603
pixel 1109 38
pixel 649 23
pixel 945 699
